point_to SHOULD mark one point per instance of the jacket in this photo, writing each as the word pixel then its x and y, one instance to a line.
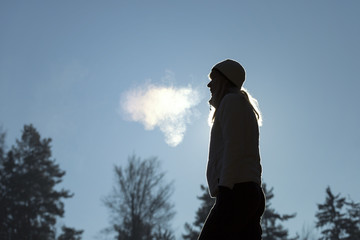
pixel 234 145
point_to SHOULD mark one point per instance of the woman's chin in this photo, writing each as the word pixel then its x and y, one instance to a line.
pixel 213 102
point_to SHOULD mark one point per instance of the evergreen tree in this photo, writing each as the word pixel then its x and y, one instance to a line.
pixel 338 219
pixel 2 146
pixel 270 222
pixel 70 234
pixel 140 201
pixel 192 232
pixel 307 233
pixel 353 220
pixel 272 230
pixel 29 202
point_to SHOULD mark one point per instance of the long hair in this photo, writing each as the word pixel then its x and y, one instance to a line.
pixel 252 101
pixel 254 104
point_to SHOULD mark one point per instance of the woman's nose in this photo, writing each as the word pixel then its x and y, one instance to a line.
pixel 208 85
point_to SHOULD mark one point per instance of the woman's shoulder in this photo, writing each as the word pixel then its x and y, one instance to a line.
pixel 233 98
pixel 232 103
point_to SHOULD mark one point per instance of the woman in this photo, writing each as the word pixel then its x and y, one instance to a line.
pixel 233 169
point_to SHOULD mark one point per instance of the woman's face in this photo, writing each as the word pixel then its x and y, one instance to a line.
pixel 217 87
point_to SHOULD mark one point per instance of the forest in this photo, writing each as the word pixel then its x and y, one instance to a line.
pixel 140 203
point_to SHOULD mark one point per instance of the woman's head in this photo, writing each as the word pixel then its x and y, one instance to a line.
pixel 224 75
pixel 232 70
pixel 219 84
pixel 227 75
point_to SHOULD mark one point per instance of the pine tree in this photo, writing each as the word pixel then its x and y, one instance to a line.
pixel 192 232
pixel 29 202
pixel 272 230
pixel 270 222
pixel 70 234
pixel 353 220
pixel 338 218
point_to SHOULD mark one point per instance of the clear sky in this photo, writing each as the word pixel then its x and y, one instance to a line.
pixel 65 65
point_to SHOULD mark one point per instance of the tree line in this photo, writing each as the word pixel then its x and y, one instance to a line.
pixel 139 205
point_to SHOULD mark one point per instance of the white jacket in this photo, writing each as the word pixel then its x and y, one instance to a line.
pixel 234 145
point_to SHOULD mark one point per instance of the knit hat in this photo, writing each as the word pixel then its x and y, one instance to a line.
pixel 232 70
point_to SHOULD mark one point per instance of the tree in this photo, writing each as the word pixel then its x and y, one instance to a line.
pixel 140 201
pixel 70 234
pixel 272 230
pixel 192 232
pixel 338 218
pixel 29 202
pixel 2 146
pixel 353 220
pixel 307 233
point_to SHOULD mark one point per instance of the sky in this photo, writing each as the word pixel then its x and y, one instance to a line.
pixel 68 67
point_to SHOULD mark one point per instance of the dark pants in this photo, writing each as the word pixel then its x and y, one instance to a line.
pixel 236 214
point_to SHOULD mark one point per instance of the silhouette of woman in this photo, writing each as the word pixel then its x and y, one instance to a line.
pixel 233 169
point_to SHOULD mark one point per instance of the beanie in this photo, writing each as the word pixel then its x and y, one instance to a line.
pixel 232 70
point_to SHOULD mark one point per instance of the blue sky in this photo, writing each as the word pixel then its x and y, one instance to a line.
pixel 64 66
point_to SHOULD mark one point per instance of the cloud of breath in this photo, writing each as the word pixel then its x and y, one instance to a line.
pixel 168 108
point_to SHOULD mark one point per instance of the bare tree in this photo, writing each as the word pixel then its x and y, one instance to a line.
pixel 139 203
